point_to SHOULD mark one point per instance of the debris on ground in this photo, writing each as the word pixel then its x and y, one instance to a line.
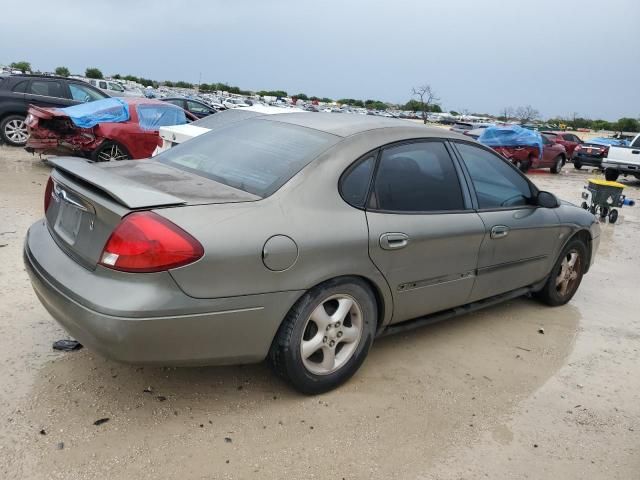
pixel 43 432
pixel 67 345
pixel 161 398
pixel 147 390
pixel 100 421
pixel 60 445
pixel 227 439
pixel 541 330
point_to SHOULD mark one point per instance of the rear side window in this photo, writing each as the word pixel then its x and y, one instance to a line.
pixel 46 88
pixel 20 87
pixel 356 180
pixel 83 93
pixel 152 116
pixel 497 184
pixel 255 156
pixel 417 177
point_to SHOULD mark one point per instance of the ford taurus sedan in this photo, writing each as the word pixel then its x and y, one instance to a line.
pixel 297 238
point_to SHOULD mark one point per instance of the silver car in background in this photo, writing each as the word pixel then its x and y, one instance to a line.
pixel 298 238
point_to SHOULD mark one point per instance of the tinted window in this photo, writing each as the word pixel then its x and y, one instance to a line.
pixel 103 84
pixel 83 93
pixel 497 184
pixel 46 88
pixel 355 183
pixel 197 107
pixel 256 156
pixel 20 87
pixel 636 142
pixel 546 140
pixel 418 177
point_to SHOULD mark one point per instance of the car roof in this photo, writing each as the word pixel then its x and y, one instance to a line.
pixel 352 124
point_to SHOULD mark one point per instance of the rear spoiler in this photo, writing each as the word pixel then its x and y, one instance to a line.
pixel 123 190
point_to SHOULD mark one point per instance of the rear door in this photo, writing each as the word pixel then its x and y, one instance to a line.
pixel 48 93
pixel 423 235
pixel 520 238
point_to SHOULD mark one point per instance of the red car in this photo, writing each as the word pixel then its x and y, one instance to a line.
pixel 569 140
pixel 105 130
pixel 554 156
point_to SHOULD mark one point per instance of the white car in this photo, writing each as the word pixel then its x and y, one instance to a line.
pixel 113 88
pixel 234 103
pixel 176 134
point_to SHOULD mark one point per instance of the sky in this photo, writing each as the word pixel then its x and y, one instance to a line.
pixel 560 56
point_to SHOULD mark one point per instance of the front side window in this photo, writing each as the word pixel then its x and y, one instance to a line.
pixel 116 87
pixel 20 87
pixel 497 184
pixel 417 177
pixel 83 93
pixel 46 88
pixel 103 84
pixel 256 156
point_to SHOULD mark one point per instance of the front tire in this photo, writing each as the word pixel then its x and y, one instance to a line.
pixel 558 163
pixel 566 275
pixel 577 165
pixel 326 335
pixel 13 130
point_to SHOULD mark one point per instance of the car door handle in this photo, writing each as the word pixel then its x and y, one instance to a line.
pixel 499 231
pixel 393 241
pixel 635 152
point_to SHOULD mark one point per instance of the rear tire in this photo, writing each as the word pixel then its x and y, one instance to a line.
pixel 611 175
pixel 336 344
pixel 613 216
pixel 566 275
pixel 110 151
pixel 577 165
pixel 558 163
pixel 13 130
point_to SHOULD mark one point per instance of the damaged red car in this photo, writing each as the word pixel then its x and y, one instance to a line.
pixel 104 130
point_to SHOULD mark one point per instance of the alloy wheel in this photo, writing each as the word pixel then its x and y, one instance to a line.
pixel 331 334
pixel 570 268
pixel 16 131
pixel 112 153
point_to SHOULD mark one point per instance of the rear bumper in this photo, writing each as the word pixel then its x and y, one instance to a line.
pixel 587 160
pixel 147 319
pixel 623 167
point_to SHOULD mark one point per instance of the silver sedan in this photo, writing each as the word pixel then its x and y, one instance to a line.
pixel 297 238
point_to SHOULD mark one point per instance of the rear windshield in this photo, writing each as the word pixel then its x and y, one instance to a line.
pixel 225 117
pixel 256 156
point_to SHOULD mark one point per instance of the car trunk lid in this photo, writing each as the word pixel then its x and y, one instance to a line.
pixel 90 199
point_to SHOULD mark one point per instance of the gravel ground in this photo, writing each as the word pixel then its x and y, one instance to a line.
pixel 481 396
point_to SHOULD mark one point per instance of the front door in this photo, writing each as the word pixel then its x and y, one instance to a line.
pixel 520 237
pixel 423 235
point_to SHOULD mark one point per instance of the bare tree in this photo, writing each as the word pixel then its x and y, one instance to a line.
pixel 507 114
pixel 526 114
pixel 427 97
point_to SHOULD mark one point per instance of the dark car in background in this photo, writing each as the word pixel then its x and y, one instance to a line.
pixel 194 107
pixel 17 92
pixel 589 154
pixel 568 140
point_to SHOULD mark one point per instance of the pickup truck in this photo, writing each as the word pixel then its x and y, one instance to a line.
pixel 622 160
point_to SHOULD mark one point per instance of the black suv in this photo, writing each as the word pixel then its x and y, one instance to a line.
pixel 17 92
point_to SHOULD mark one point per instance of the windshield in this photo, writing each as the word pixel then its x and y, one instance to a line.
pixel 255 156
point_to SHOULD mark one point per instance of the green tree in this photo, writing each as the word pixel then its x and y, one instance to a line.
pixel 117 76
pixel 131 78
pixel 454 113
pixel 273 93
pixel 93 73
pixel 301 96
pixel 627 125
pixel 22 66
pixel 62 71
pixel 601 125
pixel 326 100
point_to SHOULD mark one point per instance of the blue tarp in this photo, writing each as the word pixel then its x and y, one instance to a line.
pixel 608 141
pixel 511 136
pixel 90 114
pixel 152 116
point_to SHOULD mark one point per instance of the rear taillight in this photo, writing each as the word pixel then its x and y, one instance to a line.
pixel 146 242
pixel 605 152
pixel 48 191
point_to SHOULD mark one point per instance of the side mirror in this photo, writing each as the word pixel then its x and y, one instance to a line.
pixel 547 200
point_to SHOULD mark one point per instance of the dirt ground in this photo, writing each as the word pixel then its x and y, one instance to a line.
pixel 480 396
